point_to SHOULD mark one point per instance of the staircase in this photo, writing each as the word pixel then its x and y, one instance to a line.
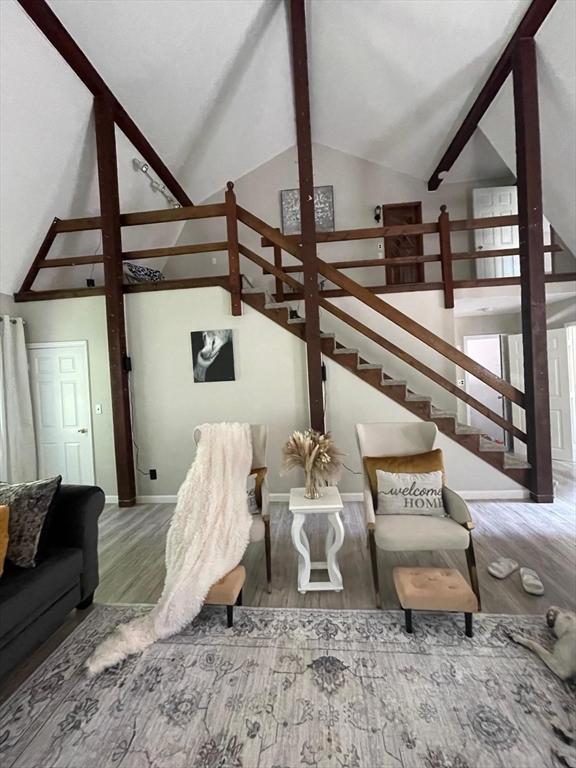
pixel 373 374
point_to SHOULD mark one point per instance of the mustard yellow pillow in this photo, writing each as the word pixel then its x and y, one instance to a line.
pixel 254 489
pixel 4 515
pixel 431 461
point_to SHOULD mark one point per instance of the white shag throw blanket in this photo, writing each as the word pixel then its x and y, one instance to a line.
pixel 207 538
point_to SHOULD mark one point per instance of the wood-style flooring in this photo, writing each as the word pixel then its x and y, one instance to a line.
pixel 540 536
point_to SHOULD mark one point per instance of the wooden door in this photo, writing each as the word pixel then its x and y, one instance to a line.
pixel 403 245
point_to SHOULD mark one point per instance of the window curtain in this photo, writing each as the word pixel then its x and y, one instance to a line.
pixel 17 440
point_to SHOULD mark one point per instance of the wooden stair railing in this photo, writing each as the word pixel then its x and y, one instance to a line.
pixel 389 347
pixel 368 298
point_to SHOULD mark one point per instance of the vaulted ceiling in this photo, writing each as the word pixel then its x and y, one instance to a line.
pixel 209 84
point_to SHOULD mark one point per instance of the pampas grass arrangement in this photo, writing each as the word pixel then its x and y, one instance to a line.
pixel 317 455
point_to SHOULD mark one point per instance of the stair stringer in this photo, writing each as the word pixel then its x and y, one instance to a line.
pixel 421 409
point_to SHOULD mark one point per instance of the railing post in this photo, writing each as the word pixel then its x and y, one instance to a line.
pixel 278 263
pixel 233 253
pixel 532 277
pixel 114 293
pixel 446 257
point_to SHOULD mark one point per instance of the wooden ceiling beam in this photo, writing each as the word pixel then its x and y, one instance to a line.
pixel 114 293
pixel 530 24
pixel 51 26
pixel 299 51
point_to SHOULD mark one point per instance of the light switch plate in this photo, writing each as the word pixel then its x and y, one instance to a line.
pixel 98 409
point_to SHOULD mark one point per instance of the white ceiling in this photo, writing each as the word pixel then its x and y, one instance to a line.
pixel 504 300
pixel 556 49
pixel 209 84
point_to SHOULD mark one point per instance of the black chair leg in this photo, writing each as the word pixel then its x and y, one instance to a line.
pixel 229 616
pixel 374 561
pixel 86 603
pixel 408 620
pixel 468 621
pixel 239 598
pixel 268 551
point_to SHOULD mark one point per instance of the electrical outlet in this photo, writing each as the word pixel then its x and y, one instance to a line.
pixel 460 382
pixel 214 260
pixel 98 409
pixel 153 474
pixel 380 249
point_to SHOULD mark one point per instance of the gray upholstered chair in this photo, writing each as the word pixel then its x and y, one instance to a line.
pixel 260 528
pixel 401 533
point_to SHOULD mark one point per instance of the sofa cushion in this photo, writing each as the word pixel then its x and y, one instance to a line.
pixel 417 533
pixel 26 593
pixel 4 515
pixel 30 506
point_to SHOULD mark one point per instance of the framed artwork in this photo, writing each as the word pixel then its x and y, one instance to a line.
pixel 213 355
pixel 323 210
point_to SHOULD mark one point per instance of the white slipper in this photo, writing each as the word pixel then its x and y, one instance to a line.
pixel 502 567
pixel 531 581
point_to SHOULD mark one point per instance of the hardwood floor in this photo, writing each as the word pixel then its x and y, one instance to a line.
pixel 540 536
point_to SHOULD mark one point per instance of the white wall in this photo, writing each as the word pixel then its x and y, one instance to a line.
pixel 270 387
pixel 6 304
pixel 359 185
pixel 82 320
pixel 555 46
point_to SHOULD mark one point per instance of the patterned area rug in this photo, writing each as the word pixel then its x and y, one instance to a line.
pixel 294 689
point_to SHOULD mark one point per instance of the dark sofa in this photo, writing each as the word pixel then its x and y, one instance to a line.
pixel 35 601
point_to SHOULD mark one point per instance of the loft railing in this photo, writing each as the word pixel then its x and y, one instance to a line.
pixel 446 257
pixel 346 286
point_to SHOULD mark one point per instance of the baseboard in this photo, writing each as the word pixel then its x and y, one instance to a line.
pixel 508 495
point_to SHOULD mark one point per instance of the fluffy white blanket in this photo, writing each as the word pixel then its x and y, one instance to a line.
pixel 207 538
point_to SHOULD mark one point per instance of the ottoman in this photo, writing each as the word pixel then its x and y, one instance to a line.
pixel 228 592
pixel 434 589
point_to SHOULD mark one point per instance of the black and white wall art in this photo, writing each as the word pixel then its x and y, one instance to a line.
pixel 213 355
pixel 323 210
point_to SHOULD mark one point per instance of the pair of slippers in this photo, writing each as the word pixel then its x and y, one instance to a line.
pixel 505 566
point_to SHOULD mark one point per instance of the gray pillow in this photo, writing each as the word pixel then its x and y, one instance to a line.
pixel 410 493
pixel 29 508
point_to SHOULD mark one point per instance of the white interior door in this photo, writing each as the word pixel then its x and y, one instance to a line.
pixel 485 350
pixel 500 201
pixel 560 392
pixel 516 364
pixel 559 382
pixel 61 401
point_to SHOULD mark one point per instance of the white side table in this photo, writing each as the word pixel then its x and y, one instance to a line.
pixel 329 504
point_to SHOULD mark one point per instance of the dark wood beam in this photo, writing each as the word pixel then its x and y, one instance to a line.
pixel 446 257
pixel 114 293
pixel 51 26
pixel 139 218
pixel 532 276
pixel 233 253
pixel 299 51
pixel 40 257
pixel 530 24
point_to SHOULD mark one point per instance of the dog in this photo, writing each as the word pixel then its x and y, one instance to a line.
pixel 562 660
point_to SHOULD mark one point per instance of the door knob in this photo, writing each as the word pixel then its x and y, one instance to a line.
pixel 83 430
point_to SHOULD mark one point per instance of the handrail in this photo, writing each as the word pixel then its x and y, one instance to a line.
pixel 389 312
pixel 185 213
pixel 390 347
pixel 149 253
pixel 426 228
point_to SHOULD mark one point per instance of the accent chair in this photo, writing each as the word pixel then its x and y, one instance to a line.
pixel 402 533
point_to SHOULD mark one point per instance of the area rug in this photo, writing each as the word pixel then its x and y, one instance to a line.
pixel 294 689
